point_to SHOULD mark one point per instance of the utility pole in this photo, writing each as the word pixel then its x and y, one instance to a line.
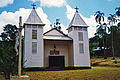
pixel 20 47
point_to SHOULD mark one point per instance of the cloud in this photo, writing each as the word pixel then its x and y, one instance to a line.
pixel 92 25
pixel 89 21
pixel 12 18
pixel 44 18
pixel 51 3
pixel 4 3
pixel 63 28
pixel 70 12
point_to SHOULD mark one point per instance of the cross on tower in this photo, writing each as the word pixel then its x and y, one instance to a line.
pixel 33 5
pixel 76 9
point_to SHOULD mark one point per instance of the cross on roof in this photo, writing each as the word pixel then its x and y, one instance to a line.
pixel 33 5
pixel 76 9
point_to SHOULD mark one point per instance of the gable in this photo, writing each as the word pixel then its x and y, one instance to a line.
pixel 77 21
pixel 34 18
pixel 54 32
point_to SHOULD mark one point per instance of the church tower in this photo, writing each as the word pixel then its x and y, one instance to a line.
pixel 77 30
pixel 33 41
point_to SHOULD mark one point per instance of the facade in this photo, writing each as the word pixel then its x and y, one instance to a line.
pixel 54 48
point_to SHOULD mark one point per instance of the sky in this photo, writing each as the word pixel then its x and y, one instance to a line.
pixel 50 10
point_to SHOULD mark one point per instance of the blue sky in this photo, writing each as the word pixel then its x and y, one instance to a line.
pixel 57 9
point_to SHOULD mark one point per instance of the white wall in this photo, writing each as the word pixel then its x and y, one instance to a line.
pixel 82 60
pixel 30 59
pixel 71 56
pixel 61 46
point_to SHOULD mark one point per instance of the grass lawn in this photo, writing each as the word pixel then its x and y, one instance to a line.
pixel 106 62
pixel 1 78
pixel 96 73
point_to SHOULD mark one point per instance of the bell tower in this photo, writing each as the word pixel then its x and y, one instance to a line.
pixel 77 30
pixel 33 41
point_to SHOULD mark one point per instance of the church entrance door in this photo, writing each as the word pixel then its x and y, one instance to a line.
pixel 56 61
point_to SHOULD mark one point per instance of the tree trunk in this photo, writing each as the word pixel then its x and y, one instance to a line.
pixel 112 45
pixel 105 57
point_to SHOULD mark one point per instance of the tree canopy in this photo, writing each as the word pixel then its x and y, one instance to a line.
pixel 9 32
pixel 107 36
pixel 8 58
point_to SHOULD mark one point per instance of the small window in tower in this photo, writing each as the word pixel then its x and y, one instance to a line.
pixel 34 34
pixel 34 47
pixel 81 48
pixel 80 28
pixel 28 26
pixel 85 29
pixel 40 27
pixel 34 26
pixel 80 36
pixel 75 28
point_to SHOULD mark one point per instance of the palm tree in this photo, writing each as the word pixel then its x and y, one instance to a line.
pixel 117 11
pixel 112 20
pixel 101 30
pixel 99 16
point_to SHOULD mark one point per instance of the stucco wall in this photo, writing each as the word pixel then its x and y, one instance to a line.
pixel 79 58
pixel 61 46
pixel 70 56
pixel 30 59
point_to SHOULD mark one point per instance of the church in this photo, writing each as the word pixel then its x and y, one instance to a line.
pixel 54 48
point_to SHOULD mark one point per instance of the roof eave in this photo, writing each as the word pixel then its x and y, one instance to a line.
pixel 59 39
pixel 78 26
pixel 41 24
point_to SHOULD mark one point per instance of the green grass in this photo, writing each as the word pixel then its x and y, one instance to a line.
pixel 1 78
pixel 105 62
pixel 96 73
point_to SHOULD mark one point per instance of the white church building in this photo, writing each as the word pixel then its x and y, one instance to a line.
pixel 54 48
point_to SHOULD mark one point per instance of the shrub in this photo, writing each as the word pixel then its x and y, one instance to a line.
pixel 8 60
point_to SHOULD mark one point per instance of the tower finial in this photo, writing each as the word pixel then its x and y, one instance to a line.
pixel 33 5
pixel 76 9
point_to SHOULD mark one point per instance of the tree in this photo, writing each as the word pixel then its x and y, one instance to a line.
pixel 115 32
pixel 8 59
pixel 102 32
pixel 102 27
pixel 93 44
pixel 110 40
pixel 112 20
pixel 99 16
pixel 9 32
pixel 117 11
pixel 118 24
